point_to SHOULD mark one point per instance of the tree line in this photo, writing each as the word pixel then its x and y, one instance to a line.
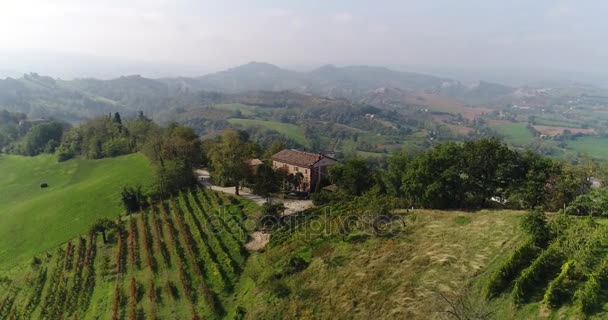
pixel 474 174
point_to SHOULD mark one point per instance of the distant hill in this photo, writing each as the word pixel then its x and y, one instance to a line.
pixel 43 97
pixel 350 82
pixel 40 96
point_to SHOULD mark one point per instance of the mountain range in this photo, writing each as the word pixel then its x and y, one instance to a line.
pixel 72 100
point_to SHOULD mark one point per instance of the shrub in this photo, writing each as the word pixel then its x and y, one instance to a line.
pixel 535 225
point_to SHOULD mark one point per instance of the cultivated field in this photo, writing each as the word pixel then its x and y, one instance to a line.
pixel 178 260
pixel 516 133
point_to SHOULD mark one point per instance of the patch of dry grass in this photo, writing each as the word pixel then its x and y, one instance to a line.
pixel 398 278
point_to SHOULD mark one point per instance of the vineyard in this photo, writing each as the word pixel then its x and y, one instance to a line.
pixel 567 276
pixel 179 259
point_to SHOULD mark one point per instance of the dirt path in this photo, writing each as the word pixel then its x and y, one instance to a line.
pixel 291 206
pixel 258 239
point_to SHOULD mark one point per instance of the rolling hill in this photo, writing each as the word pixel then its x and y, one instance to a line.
pixel 79 192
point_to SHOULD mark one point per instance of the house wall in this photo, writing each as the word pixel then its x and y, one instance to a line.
pixel 291 169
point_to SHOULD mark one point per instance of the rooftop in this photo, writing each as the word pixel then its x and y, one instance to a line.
pixel 297 158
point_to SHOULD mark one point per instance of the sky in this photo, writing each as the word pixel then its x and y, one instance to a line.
pixel 203 36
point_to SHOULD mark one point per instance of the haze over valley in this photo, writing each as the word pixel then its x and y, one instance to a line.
pixel 303 160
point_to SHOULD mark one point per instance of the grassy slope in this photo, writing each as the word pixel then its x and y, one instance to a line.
pixel 384 278
pixel 80 191
pixel 291 131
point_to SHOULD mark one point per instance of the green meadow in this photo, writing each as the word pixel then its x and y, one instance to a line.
pixel 516 133
pixel 291 131
pixel 34 220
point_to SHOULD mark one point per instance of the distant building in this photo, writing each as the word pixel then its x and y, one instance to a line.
pixel 312 166
pixel 253 164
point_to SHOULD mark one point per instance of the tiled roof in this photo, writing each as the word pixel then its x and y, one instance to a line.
pixel 253 162
pixel 297 158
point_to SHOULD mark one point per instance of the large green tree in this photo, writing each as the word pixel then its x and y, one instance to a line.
pixel 353 176
pixel 227 157
pixel 266 181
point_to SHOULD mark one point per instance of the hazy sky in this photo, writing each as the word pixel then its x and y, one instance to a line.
pixel 560 35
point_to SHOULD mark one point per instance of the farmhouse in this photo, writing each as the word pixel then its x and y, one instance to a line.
pixel 311 166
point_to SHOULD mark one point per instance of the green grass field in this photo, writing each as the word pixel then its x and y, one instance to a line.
pixel 594 147
pixel 556 123
pixel 80 191
pixel 515 133
pixel 245 110
pixel 291 131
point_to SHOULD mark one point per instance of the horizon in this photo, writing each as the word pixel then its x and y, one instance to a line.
pixel 162 38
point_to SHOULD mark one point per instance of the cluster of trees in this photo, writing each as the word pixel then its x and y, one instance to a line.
pixel 173 151
pixel 104 136
pixel 41 138
pixel 473 174
pixel 9 127
pixel 20 135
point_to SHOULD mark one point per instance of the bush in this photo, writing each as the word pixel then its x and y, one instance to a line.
pixel 322 197
pixel 594 203
pixel 535 225
pixel 521 258
pixel 294 265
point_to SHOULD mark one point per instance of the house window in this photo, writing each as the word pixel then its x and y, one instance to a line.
pixel 297 169
pixel 306 171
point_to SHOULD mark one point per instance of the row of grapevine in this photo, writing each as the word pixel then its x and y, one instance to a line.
pixel 512 267
pixel 192 253
pixel 77 281
pixel 560 288
pixel 120 251
pixel 589 297
pixel 180 261
pixel 89 274
pixel 233 223
pixel 215 276
pixel 145 241
pixel 219 252
pixel 537 274
pixel 36 295
pixel 156 226
pixel 53 285
pixel 230 242
pixel 132 315
pixel 7 304
pixel 116 302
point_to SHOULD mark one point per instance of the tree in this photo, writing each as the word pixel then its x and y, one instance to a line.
pixel 392 177
pixel 266 181
pixel 273 149
pixel 117 118
pixel 103 225
pixel 434 179
pixel 353 176
pixel 133 199
pixel 227 158
pixel 174 152
pixel 488 168
pixel 535 225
